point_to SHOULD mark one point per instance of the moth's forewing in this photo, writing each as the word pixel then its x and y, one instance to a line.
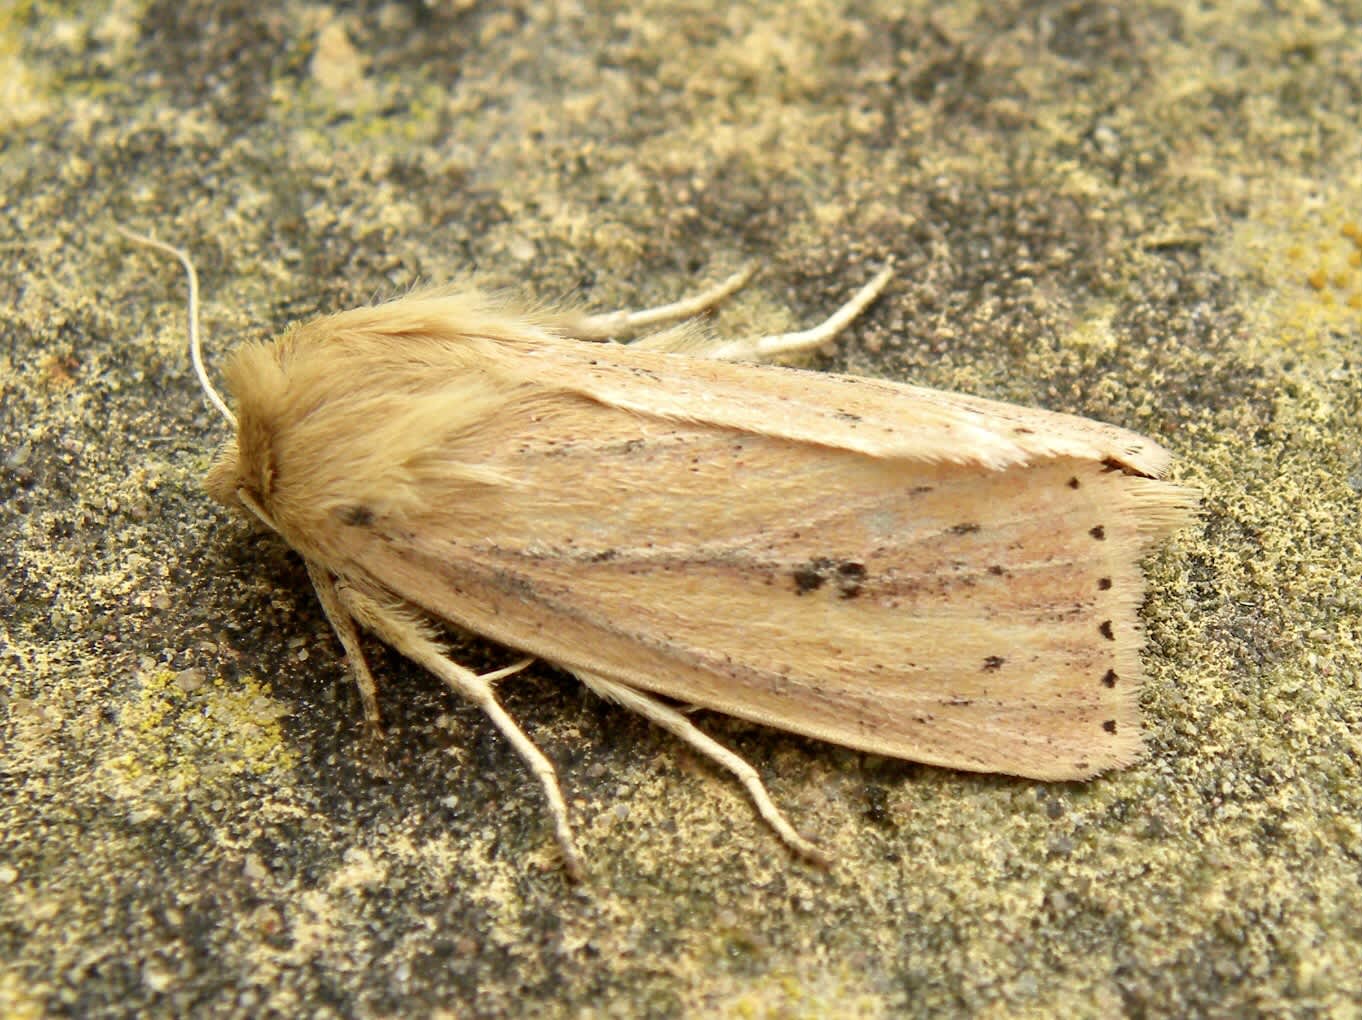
pixel 938 578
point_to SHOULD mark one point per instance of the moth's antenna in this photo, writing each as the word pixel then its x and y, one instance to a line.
pixel 195 348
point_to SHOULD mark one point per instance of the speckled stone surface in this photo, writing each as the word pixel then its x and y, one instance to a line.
pixel 1146 217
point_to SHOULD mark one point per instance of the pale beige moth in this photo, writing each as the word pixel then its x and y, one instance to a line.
pixel 905 571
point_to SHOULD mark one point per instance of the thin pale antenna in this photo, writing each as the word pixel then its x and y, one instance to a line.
pixel 195 348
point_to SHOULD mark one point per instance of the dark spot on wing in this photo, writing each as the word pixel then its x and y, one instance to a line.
pixel 1073 483
pixel 847 575
pixel 993 663
pixel 1109 726
pixel 964 529
pixel 1106 630
pixel 807 579
pixel 357 516
pixel 1109 680
pixel 1099 533
pixel 849 578
pixel 1104 584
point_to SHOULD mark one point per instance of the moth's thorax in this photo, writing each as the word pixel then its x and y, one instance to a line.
pixel 340 425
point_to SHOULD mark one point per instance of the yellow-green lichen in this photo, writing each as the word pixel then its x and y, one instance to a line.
pixel 183 731
pixel 1305 253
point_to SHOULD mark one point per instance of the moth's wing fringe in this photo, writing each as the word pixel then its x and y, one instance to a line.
pixel 1160 508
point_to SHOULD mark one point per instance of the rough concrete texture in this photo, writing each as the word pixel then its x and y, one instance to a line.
pixel 1149 217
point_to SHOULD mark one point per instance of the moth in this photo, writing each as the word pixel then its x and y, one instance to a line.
pixel 915 573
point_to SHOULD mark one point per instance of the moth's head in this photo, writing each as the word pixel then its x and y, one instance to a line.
pixel 243 475
pixel 240 485
pixel 223 478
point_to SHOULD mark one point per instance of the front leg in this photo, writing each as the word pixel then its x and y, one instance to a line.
pixel 344 626
pixel 406 634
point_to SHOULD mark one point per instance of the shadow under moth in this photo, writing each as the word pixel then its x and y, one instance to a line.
pixel 905 571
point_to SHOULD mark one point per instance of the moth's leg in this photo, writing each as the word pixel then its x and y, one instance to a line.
pixel 411 638
pixel 344 626
pixel 678 725
pixel 765 348
pixel 625 323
